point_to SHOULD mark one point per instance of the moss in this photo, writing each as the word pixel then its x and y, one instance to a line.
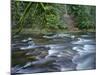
pixel 31 58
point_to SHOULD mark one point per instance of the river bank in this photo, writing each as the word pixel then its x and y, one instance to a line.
pixel 44 31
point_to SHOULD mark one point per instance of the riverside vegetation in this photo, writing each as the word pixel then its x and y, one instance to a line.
pixel 50 17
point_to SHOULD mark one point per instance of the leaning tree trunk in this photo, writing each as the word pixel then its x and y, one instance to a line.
pixel 20 22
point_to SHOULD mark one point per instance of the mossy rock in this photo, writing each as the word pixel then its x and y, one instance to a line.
pixel 31 58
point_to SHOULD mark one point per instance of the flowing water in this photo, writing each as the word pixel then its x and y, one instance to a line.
pixel 53 52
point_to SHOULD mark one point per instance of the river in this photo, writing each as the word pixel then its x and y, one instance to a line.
pixel 56 52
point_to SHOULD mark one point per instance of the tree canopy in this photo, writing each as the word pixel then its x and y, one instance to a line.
pixel 51 16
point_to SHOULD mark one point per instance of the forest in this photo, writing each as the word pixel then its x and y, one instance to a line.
pixel 40 17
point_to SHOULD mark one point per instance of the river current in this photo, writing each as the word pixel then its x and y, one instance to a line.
pixel 53 52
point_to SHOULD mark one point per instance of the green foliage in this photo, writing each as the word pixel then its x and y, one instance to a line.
pixel 85 16
pixel 49 16
pixel 43 16
pixel 21 19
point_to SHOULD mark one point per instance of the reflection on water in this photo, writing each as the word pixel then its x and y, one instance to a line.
pixel 53 52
